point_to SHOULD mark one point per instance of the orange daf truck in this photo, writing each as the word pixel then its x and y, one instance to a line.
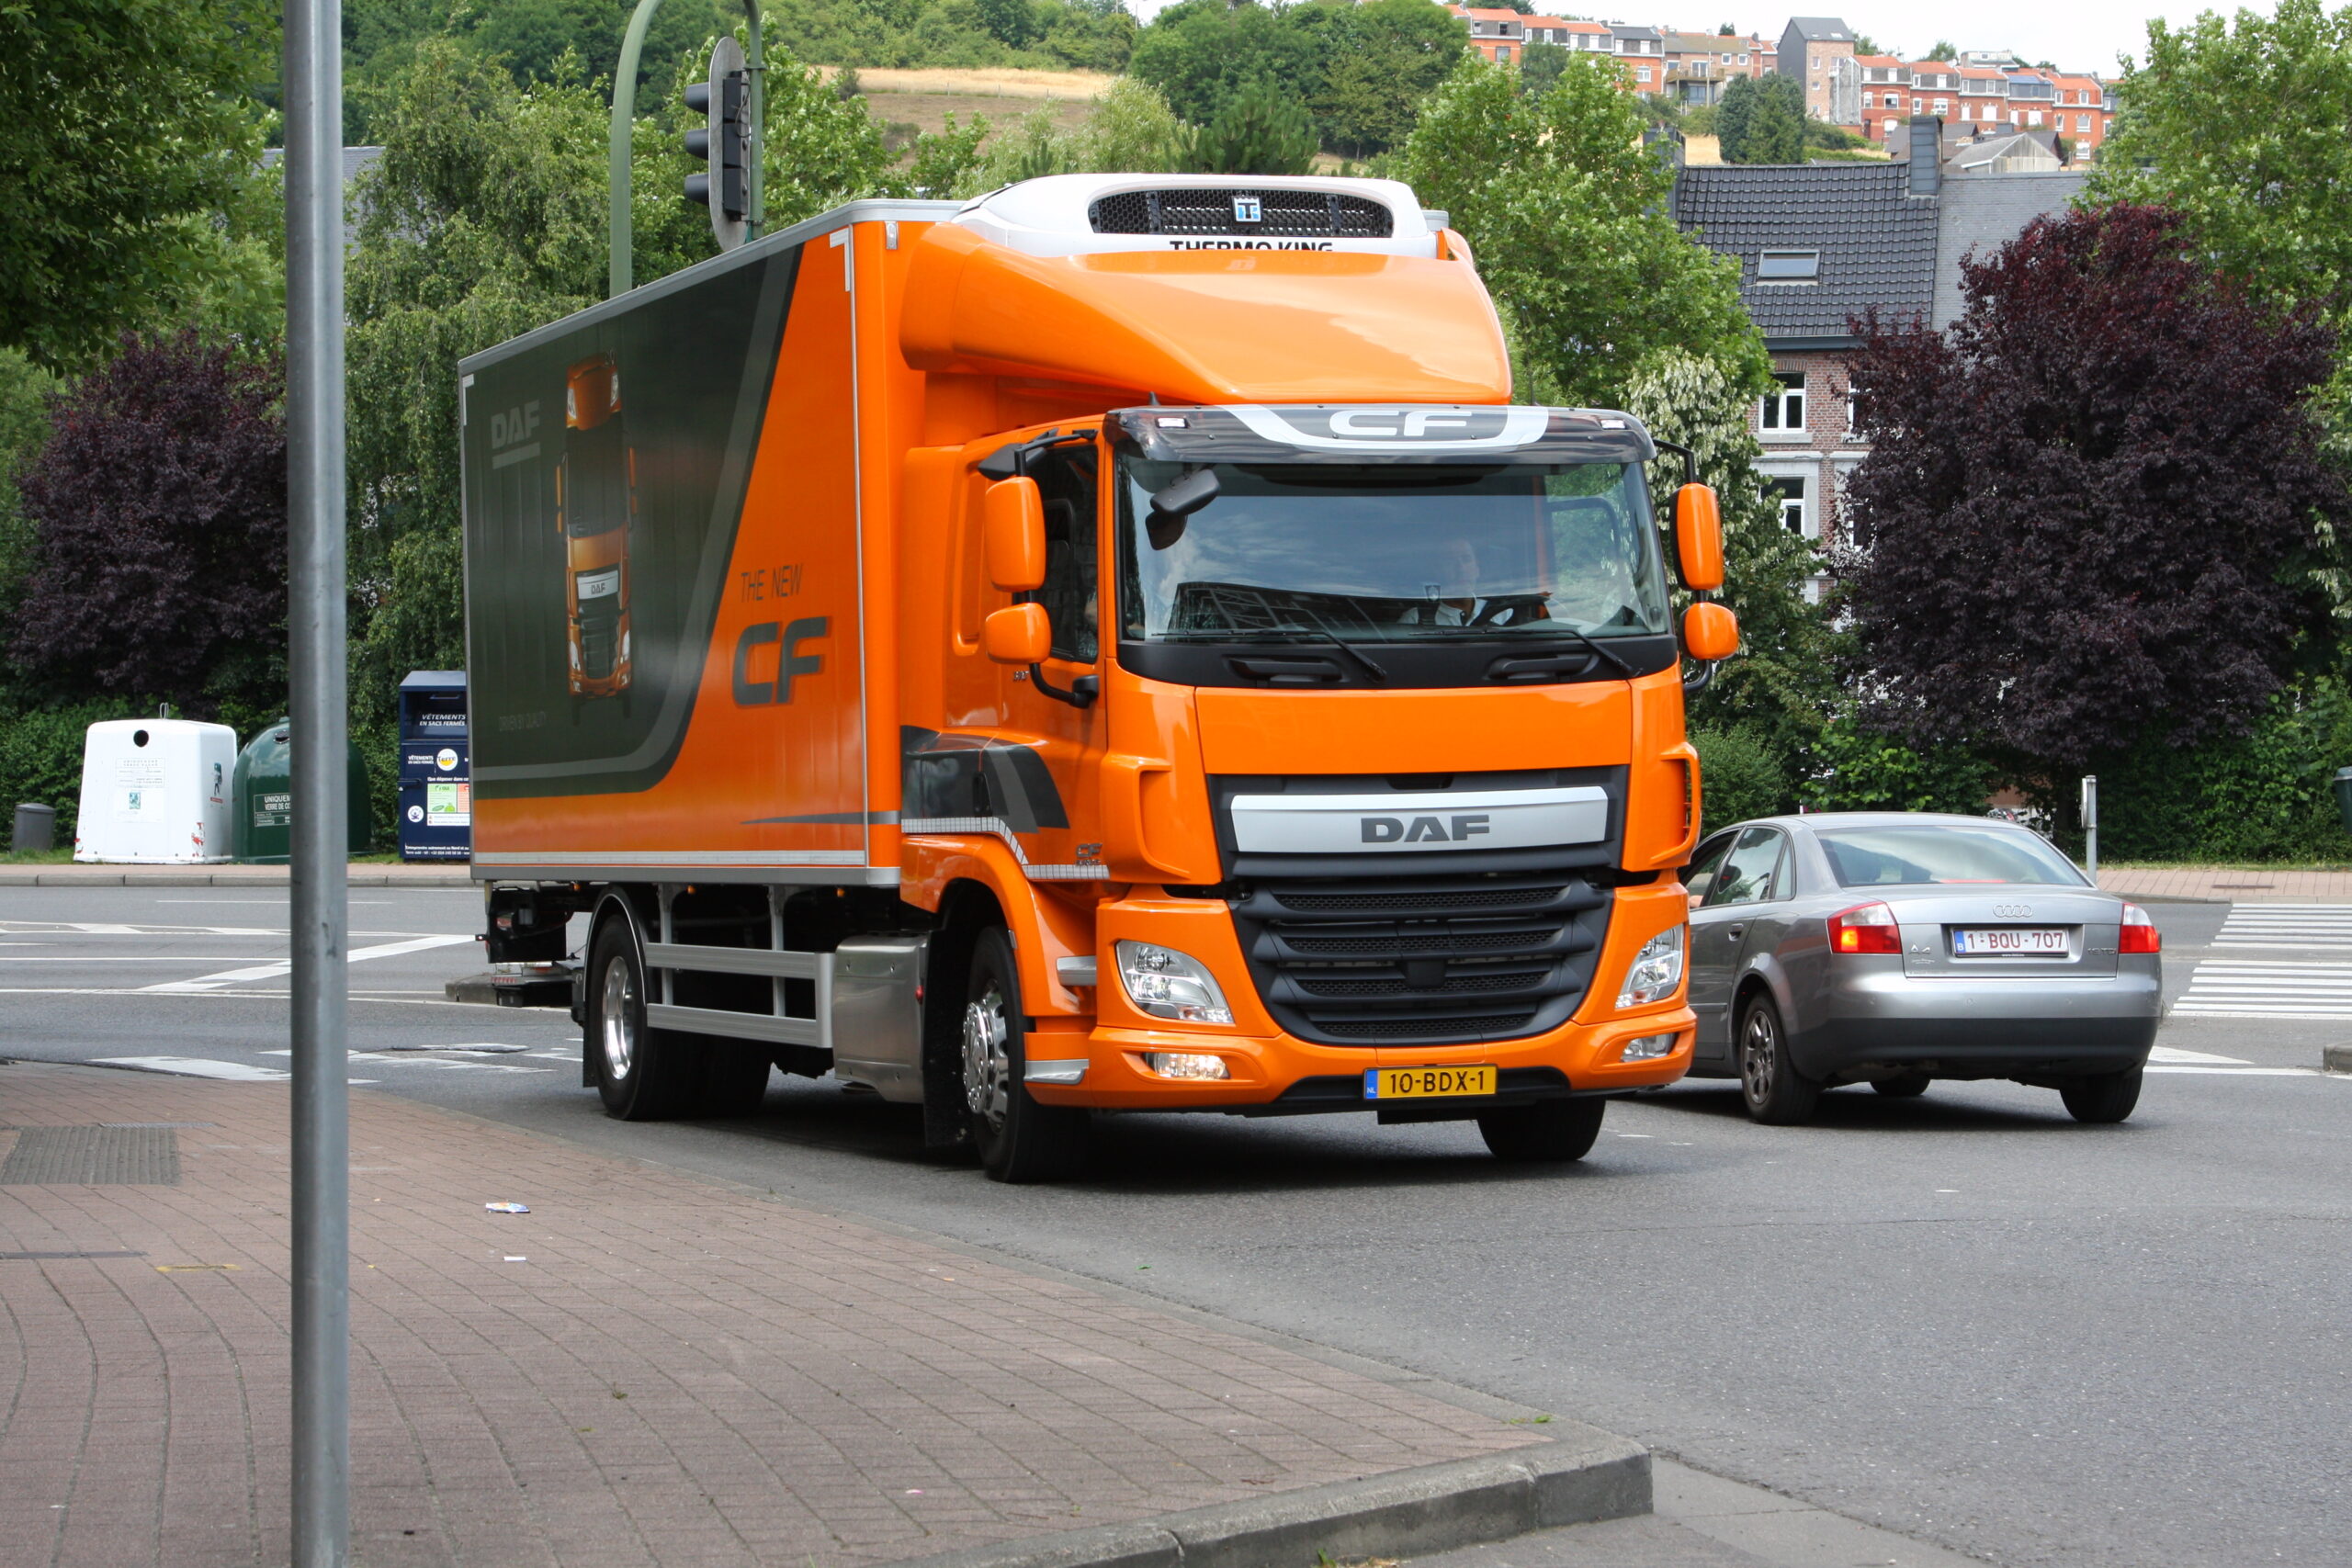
pixel 1110 646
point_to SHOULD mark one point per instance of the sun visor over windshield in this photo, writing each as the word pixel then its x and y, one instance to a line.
pixel 1357 433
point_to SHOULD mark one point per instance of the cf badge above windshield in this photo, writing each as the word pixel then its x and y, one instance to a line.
pixel 1374 428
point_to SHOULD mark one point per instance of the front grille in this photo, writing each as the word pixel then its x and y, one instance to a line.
pixel 1282 214
pixel 1422 960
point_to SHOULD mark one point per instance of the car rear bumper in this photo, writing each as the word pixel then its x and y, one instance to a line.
pixel 2030 1029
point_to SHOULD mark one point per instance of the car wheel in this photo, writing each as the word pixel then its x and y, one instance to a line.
pixel 1550 1132
pixel 1907 1087
pixel 2105 1097
pixel 642 1074
pixel 1775 1091
pixel 1019 1140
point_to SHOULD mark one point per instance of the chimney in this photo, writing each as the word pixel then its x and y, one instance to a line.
pixel 1927 155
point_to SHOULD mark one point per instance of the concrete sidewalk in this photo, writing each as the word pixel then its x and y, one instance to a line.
pixel 2228 884
pixel 654 1368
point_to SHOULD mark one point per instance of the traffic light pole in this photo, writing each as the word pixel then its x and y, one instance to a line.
pixel 621 227
pixel 315 655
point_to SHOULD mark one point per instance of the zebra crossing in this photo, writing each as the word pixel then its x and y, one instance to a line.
pixel 2295 981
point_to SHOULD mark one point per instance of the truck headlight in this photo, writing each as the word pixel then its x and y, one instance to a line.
pixel 1654 972
pixel 1164 983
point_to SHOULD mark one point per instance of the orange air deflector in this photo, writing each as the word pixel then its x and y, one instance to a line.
pixel 1014 516
pixel 1207 326
pixel 1710 632
pixel 1699 537
pixel 1018 634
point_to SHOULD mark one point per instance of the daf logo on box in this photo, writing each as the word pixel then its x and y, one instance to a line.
pixel 1246 209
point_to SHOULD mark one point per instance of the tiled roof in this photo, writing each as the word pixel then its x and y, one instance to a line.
pixel 1984 212
pixel 1877 243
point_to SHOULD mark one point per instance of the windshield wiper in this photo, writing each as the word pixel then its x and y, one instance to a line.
pixel 1623 668
pixel 1351 649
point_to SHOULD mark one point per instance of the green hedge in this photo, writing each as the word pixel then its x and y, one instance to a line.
pixel 2264 797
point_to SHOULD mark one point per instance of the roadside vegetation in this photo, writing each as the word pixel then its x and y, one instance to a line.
pixel 2012 623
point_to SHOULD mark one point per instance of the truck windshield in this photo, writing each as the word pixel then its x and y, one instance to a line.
pixel 1391 553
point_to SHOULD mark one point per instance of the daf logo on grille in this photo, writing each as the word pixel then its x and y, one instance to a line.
pixel 2013 911
pixel 1247 210
pixel 1425 830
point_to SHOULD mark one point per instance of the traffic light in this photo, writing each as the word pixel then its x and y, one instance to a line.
pixel 726 144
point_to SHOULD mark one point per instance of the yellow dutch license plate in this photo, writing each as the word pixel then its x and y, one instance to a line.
pixel 1427 1083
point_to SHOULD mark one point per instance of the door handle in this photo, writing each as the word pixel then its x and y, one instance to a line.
pixel 1734 930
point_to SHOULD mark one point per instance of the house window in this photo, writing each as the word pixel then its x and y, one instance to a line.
pixel 1784 410
pixel 1503 54
pixel 1788 267
pixel 1787 496
pixel 1943 106
pixel 1643 75
pixel 2082 123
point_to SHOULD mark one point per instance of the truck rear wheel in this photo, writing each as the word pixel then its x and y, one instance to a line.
pixel 1550 1132
pixel 1019 1140
pixel 642 1074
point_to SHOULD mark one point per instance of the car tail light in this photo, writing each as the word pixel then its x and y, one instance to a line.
pixel 2138 934
pixel 1865 928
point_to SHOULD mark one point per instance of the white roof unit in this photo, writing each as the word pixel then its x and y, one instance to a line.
pixel 1064 215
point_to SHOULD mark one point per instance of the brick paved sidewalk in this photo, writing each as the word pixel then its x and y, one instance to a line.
pixel 2227 885
pixel 648 1367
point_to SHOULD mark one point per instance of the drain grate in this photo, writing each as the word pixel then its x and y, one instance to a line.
pixel 87 1156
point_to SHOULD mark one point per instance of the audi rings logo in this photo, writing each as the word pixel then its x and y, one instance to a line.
pixel 2013 911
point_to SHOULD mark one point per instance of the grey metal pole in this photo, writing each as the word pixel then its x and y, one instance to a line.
pixel 2090 825
pixel 315 653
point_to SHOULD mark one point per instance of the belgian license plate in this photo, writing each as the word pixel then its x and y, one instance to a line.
pixel 2009 943
pixel 1427 1083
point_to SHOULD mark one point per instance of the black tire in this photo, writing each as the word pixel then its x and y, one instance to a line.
pixel 1909 1086
pixel 1775 1092
pixel 2104 1100
pixel 1550 1132
pixel 734 1078
pixel 1019 1140
pixel 642 1074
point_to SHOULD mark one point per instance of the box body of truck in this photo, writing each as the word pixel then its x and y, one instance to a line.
pixel 1246 834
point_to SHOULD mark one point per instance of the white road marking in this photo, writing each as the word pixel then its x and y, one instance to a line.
pixel 84 928
pixel 2243 1072
pixel 2172 1054
pixel 407 1061
pixel 286 965
pixel 202 1067
pixel 2276 925
pixel 2237 987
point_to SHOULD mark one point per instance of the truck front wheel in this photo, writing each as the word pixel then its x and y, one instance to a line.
pixel 1019 1140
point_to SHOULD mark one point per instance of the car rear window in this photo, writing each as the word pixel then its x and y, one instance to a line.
pixel 1879 857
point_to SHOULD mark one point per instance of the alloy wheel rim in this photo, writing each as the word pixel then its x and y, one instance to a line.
pixel 1759 1057
pixel 987 1061
pixel 617 1018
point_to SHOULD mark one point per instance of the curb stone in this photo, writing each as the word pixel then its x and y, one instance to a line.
pixel 222 877
pixel 1405 1513
pixel 2335 1059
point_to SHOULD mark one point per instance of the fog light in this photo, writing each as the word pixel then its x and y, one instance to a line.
pixel 1648 1048
pixel 1185 1065
pixel 1164 983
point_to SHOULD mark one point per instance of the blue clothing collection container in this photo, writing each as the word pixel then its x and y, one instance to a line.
pixel 437 782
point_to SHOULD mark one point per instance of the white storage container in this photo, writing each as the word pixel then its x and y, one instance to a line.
pixel 155 792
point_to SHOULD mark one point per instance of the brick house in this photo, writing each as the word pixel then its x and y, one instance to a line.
pixel 2082 115
pixel 1698 64
pixel 1498 33
pixel 1583 37
pixel 1820 244
pixel 1819 53
pixel 1984 97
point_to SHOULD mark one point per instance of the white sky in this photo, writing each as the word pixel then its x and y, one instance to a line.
pixel 2080 35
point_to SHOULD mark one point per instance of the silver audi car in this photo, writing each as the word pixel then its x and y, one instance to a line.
pixel 1896 948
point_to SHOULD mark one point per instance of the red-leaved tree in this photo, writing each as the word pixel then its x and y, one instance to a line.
pixel 158 508
pixel 2083 505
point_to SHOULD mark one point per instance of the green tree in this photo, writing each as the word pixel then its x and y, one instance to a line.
pixel 1944 51
pixel 1762 120
pixel 1260 130
pixel 1372 66
pixel 1569 215
pixel 1780 686
pixel 130 133
pixel 1539 65
pixel 1199 52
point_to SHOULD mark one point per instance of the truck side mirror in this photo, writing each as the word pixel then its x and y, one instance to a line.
pixel 1710 632
pixel 1013 516
pixel 1699 537
pixel 1018 634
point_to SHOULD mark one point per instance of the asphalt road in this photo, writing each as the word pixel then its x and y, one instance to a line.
pixel 1961 1317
